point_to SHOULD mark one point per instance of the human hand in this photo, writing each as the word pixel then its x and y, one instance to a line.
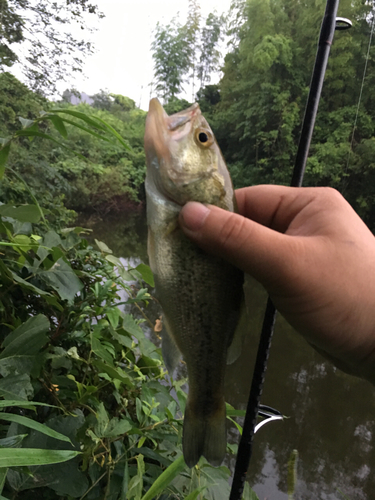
pixel 314 256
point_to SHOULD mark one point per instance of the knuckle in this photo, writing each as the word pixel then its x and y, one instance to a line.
pixel 232 231
pixel 330 194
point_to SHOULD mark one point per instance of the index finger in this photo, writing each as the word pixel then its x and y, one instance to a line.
pixel 274 206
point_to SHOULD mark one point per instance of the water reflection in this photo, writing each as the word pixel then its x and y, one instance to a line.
pixel 331 415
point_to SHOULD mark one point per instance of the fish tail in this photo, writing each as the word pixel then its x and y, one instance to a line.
pixel 204 435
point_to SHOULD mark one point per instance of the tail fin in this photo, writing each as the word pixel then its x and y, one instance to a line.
pixel 204 435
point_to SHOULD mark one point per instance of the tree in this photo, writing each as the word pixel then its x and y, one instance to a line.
pixel 192 29
pixel 36 36
pixel 184 52
pixel 171 56
pixel 264 89
pixel 209 55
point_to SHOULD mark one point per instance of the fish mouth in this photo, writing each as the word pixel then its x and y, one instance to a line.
pixel 159 118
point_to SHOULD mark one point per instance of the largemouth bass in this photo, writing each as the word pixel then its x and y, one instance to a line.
pixel 200 294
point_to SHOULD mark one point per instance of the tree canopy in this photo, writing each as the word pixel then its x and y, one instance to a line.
pixel 38 37
pixel 186 53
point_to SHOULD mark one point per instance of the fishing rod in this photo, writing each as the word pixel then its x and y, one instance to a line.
pixel 329 24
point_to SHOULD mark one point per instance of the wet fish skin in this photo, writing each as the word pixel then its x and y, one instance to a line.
pixel 200 294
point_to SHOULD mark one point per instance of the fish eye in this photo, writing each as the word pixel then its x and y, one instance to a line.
pixel 204 138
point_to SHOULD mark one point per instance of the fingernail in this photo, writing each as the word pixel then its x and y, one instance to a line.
pixel 193 215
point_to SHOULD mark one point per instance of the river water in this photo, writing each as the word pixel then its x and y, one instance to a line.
pixel 331 415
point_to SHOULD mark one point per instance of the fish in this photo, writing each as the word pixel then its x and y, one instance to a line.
pixel 201 295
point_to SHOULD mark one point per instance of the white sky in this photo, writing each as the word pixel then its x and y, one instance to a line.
pixel 123 63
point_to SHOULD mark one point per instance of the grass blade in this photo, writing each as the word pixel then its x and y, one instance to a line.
pixel 27 422
pixel 23 457
pixel 164 480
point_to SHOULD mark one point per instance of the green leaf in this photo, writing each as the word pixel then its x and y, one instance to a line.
pixel 63 279
pixel 31 424
pixel 194 494
pixel 239 428
pixel 26 457
pixel 117 427
pixel 165 479
pixel 114 133
pixel 113 315
pixel 26 122
pixel 15 365
pixel 16 387
pixel 53 476
pixel 3 476
pixel 231 412
pixel 4 153
pixel 146 274
pixel 28 338
pixel 114 373
pixel 5 140
pixel 5 272
pixel 100 351
pixel 248 493
pixel 28 285
pixel 23 213
pixel 23 404
pixel 110 428
pixel 103 247
pixel 89 131
pixel 130 325
pixel 12 441
pixel 81 116
pixel 136 483
pixel 59 125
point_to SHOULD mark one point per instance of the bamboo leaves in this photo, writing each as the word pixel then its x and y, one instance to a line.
pixel 30 128
pixel 21 457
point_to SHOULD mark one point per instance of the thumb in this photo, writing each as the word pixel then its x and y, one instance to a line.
pixel 258 250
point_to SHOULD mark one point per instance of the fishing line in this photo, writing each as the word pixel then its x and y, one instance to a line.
pixel 361 90
pixel 246 443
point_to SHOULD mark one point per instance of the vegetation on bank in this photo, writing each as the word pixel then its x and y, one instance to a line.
pixel 104 176
pixel 87 408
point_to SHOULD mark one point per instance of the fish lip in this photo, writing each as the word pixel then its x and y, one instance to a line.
pixel 173 122
pixel 179 119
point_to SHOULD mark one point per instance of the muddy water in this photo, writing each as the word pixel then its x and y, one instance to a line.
pixel 331 416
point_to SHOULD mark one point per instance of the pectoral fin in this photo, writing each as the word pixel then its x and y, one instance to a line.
pixel 170 351
pixel 235 348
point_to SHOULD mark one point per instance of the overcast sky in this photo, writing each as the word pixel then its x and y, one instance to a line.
pixel 123 63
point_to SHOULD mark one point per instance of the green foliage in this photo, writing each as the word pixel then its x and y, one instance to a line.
pixel 171 56
pixel 84 394
pixel 264 89
pixel 183 53
pixel 89 174
pixel 209 58
pixel 109 410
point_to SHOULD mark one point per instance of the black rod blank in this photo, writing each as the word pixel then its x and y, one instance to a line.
pixel 246 443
